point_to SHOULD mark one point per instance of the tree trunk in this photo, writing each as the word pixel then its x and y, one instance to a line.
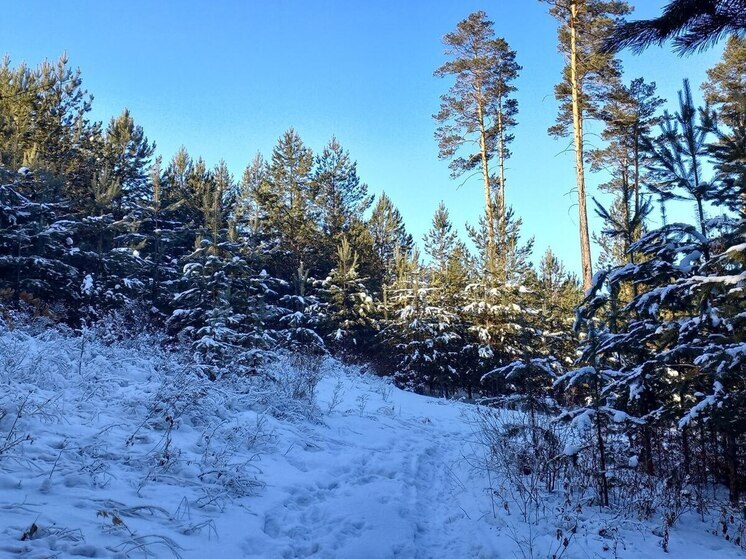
pixel 685 449
pixel 385 302
pixel 637 171
pixel 490 263
pixel 647 446
pixel 501 186
pixel 577 125
pixel 602 479
pixel 501 155
pixel 732 458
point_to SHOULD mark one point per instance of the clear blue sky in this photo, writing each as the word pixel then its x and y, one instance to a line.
pixel 226 78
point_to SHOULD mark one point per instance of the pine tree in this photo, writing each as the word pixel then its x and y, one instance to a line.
pixel 36 244
pixel 423 335
pixel 557 295
pixel 440 241
pixel 153 235
pixel 479 109
pixel 692 24
pixel 587 77
pixel 509 250
pixel 250 215
pixel 725 88
pixel 205 315
pixel 672 354
pixel 628 114
pixel 725 93
pixel 447 269
pixel 43 124
pixel 493 310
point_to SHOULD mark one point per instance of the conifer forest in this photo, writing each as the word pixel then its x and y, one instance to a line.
pixel 181 345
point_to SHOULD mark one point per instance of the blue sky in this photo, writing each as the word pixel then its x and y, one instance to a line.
pixel 226 78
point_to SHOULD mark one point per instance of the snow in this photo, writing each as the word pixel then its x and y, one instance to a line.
pixel 86 287
pixel 687 262
pixel 726 280
pixel 121 451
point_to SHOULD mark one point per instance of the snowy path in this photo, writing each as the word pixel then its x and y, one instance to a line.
pixel 119 454
pixel 386 484
pixel 398 481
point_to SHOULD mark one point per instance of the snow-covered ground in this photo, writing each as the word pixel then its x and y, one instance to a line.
pixel 120 451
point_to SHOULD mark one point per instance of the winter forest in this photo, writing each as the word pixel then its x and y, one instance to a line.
pixel 270 364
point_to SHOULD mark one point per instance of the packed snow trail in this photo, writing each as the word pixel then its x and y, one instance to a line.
pixel 378 481
pixel 121 451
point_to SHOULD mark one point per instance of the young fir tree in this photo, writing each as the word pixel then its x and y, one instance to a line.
pixel 289 201
pixel 127 153
pixel 479 109
pixel 389 238
pixel 36 244
pixel 678 153
pixel 341 196
pixel 346 307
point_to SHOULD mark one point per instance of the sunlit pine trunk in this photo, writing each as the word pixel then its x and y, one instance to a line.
pixel 501 190
pixel 490 260
pixel 577 125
